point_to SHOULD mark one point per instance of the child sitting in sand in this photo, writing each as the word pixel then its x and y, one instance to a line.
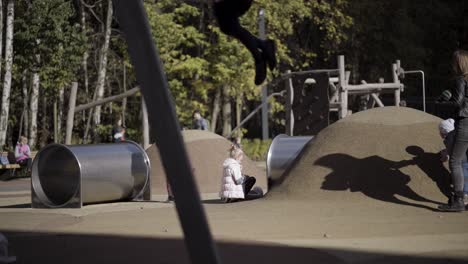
pixel 234 185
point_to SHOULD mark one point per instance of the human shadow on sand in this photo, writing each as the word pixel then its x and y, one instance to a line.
pixel 431 165
pixel 374 176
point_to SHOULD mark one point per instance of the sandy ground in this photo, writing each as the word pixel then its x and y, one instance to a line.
pixel 319 223
pixel 206 151
pixel 261 231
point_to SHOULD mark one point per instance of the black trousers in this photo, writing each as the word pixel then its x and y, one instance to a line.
pixel 460 146
pixel 227 13
pixel 26 163
pixel 248 184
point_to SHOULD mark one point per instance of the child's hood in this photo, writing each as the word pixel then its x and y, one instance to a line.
pixel 230 162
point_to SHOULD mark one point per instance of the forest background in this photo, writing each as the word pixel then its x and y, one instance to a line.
pixel 46 45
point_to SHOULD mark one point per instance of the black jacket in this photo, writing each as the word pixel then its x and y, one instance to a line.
pixel 459 98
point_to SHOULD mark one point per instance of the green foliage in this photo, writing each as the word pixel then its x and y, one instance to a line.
pixel 256 149
pixel 178 41
pixel 104 132
pixel 47 41
pixel 200 60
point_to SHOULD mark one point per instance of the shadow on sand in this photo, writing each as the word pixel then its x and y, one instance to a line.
pixel 381 179
pixel 26 205
pixel 79 248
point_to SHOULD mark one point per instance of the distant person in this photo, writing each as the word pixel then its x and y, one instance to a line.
pixel 446 130
pixel 199 122
pixel 23 153
pixel 227 13
pixel 118 132
pixel 459 98
pixel 234 185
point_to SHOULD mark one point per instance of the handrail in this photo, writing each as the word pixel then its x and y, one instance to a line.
pixel 286 76
pixel 247 118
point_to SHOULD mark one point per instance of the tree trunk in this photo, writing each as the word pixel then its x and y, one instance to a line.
pixel 216 110
pixel 55 114
pixel 45 128
pixel 71 113
pixel 84 62
pixel 33 107
pixel 8 69
pixel 145 127
pixel 25 106
pixel 88 121
pixel 124 101
pixel 109 87
pixel 227 119
pixel 85 58
pixel 1 35
pixel 238 116
pixel 60 115
pixel 103 64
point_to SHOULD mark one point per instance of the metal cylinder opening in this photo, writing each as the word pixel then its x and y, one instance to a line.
pixel 69 176
pixel 58 175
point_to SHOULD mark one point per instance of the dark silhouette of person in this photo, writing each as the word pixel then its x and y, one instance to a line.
pixel 431 165
pixel 374 176
pixel 227 13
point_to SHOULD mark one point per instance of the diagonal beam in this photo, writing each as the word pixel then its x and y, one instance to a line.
pixel 107 100
pixel 166 130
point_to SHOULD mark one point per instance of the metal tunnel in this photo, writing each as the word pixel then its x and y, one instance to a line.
pixel 283 152
pixel 70 176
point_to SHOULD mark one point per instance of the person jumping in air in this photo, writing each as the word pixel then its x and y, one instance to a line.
pixel 227 13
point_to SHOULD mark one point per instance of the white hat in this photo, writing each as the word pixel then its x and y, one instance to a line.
pixel 446 126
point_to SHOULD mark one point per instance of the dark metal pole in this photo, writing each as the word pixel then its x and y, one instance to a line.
pixel 165 129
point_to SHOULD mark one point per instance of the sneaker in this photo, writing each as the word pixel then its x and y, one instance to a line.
pixel 269 53
pixel 260 71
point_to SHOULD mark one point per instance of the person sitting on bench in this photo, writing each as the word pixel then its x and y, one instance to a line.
pixel 23 153
pixel 234 185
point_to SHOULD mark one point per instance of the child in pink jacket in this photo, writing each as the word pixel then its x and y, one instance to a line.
pixel 23 153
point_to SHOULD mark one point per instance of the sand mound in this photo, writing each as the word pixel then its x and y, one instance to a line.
pixel 388 154
pixel 206 151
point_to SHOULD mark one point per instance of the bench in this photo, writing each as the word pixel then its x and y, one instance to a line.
pixel 12 167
